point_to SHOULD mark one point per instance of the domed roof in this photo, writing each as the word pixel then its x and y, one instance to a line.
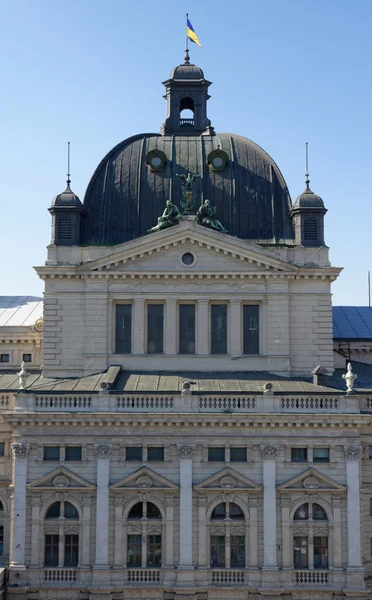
pixel 308 199
pixel 187 71
pixel 125 196
pixel 66 199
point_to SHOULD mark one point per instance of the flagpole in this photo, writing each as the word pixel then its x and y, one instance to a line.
pixel 187 59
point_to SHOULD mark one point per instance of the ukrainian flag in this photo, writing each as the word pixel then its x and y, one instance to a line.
pixel 191 34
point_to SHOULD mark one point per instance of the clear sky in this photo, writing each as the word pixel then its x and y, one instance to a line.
pixel 284 72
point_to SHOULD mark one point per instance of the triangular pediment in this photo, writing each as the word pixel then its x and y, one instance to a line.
pixel 222 248
pixel 144 478
pixel 311 480
pixel 60 479
pixel 228 479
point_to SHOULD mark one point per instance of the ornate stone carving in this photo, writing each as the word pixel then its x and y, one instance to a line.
pixel 186 451
pixel 20 450
pixel 23 375
pixel 227 497
pixel 311 483
pixel 227 481
pixel 144 481
pixel 103 450
pixel 61 481
pixel 352 452
pixel 169 500
pixel 38 325
pixel 349 377
pixel 269 452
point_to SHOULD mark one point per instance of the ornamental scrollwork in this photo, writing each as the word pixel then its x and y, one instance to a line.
pixel 352 452
pixel 103 450
pixel 186 451
pixel 20 450
pixel 269 452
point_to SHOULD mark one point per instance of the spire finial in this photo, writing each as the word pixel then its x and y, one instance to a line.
pixel 68 164
pixel 187 57
pixel 307 180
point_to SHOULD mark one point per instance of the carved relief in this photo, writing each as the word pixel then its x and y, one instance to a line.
pixel 20 450
pixel 144 481
pixel 352 452
pixel 269 452
pixel 311 482
pixel 103 450
pixel 186 451
pixel 228 482
pixel 61 481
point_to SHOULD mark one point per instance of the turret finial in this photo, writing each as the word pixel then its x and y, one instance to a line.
pixel 307 180
pixel 68 165
pixel 187 57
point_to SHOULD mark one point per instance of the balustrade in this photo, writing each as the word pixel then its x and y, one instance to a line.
pixel 311 577
pixel 144 576
pixel 60 575
pixel 227 577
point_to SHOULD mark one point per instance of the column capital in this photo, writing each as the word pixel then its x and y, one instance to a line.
pixel 201 500
pixel 20 450
pixel 186 450
pixel 352 452
pixel 169 500
pixel 269 452
pixel 103 450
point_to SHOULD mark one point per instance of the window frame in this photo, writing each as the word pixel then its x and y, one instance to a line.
pixel 297 449
pixel 71 541
pixel 45 447
pixel 297 548
pixel 214 448
pixel 321 459
pixel 150 449
pixel 118 350
pixel 3 358
pixel 239 544
pixel 148 341
pixel 152 543
pixel 321 546
pixel 233 448
pixel 68 449
pixel 131 448
pixel 217 542
pixel 244 339
pixel 213 306
pixel 54 549
pixel 184 351
pixel 135 545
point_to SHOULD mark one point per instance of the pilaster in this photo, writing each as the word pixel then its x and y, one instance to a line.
pixel 101 565
pixel 185 567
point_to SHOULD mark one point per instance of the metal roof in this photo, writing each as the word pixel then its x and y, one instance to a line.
pixel 20 311
pixel 352 322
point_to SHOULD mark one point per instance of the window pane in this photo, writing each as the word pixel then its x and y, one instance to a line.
pixel 219 329
pixel 51 550
pixel 250 329
pixel 320 552
pixel 54 511
pixel 27 358
pixel 216 454
pixel 300 555
pixel 299 454
pixel 187 329
pixel 70 511
pixel 136 512
pixel 133 453
pixel 237 551
pixel 155 453
pixel 2 448
pixel 71 550
pixel 123 329
pixel 217 550
pixel 1 539
pixel 4 358
pixel 134 550
pixel 321 454
pixel 73 453
pixel 302 513
pixel 238 454
pixel 51 452
pixel 154 550
pixel 155 328
pixel 152 511
pixel 319 514
pixel 236 512
pixel 219 512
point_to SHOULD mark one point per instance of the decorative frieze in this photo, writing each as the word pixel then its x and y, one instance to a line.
pixel 269 452
pixel 103 450
pixel 186 451
pixel 20 450
pixel 352 452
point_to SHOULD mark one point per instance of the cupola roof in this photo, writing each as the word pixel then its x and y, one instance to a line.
pixel 66 198
pixel 308 199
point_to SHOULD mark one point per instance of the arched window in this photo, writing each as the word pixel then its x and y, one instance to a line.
pixel 187 113
pixel 144 544
pixel 318 513
pixel 65 554
pixel 310 538
pixel 227 547
pixel 310 229
pixel 1 507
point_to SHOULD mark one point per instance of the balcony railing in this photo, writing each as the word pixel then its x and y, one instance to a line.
pixel 60 575
pixel 141 576
pixel 315 577
pixel 187 123
pixel 227 577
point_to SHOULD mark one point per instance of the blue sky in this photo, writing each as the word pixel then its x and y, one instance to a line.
pixel 284 72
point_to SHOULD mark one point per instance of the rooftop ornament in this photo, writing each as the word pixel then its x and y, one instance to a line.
pixel 170 217
pixel 349 379
pixel 206 217
pixel 188 202
pixel 22 376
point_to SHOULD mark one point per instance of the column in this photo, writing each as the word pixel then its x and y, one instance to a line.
pixel 202 540
pixel 169 519
pixel 235 327
pixel 85 531
pixel 253 531
pixel 118 534
pixel 171 327
pixel 286 532
pixel 337 532
pixel 227 546
pixel 186 453
pixel 17 551
pixel 202 329
pixel 310 546
pixel 138 335
pixel 269 454
pixel 103 452
pixel 352 455
pixel 37 548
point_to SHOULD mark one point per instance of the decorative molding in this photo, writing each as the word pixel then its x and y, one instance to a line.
pixel 186 451
pixel 103 450
pixel 60 478
pixel 269 452
pixel 169 500
pixel 144 478
pixel 20 450
pixel 311 481
pixel 228 479
pixel 352 452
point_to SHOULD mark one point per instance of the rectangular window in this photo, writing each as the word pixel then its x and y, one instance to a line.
pixel 187 329
pixel 369 451
pixel 73 453
pixel 298 454
pixel 51 453
pixel 51 550
pixel 27 358
pixel 134 550
pixel 71 550
pixel 123 329
pixel 2 449
pixel 4 358
pixel 155 328
pixel 237 550
pixel 216 454
pixel 238 454
pixel 1 539
pixel 217 550
pixel 133 453
pixel 250 329
pixel 155 453
pixel 321 454
pixel 219 329
pixel 154 550
pixel 321 552
pixel 300 553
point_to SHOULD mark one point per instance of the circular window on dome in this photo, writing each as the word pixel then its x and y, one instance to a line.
pixel 156 160
pixel 217 160
pixel 188 259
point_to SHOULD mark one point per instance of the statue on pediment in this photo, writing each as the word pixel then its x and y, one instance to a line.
pixel 188 203
pixel 206 217
pixel 170 217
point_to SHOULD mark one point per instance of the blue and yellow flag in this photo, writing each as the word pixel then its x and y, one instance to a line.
pixel 191 34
